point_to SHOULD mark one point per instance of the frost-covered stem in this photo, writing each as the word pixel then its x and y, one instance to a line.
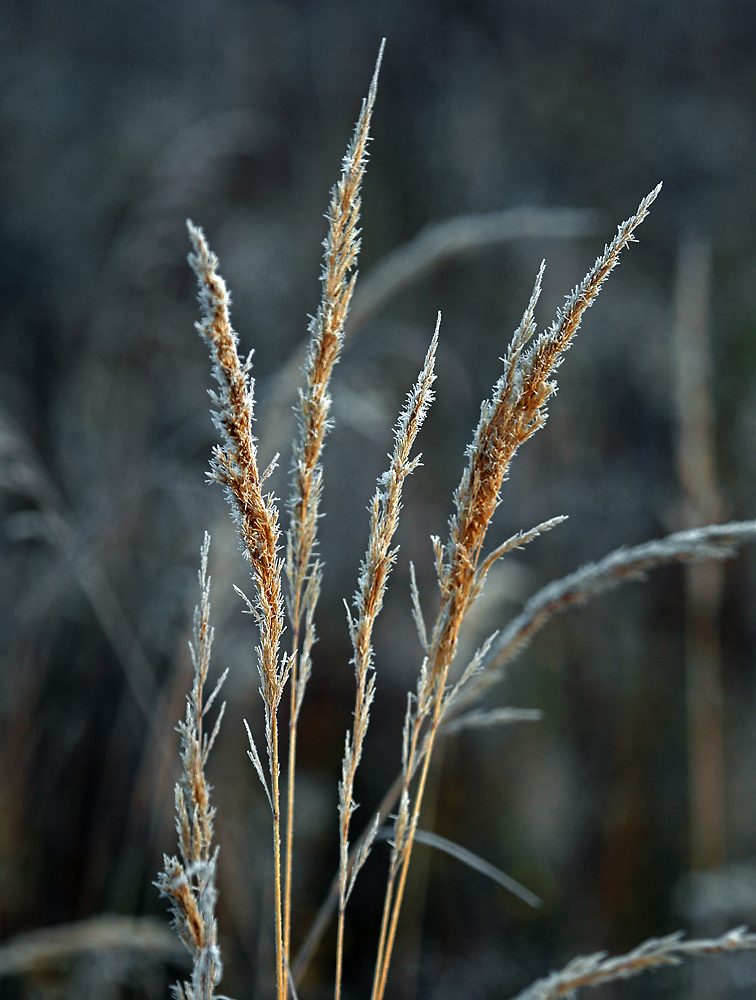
pixel 281 983
pixel 516 410
pixel 189 881
pixel 338 277
pixel 374 574
pixel 593 970
pixel 389 934
pixel 234 465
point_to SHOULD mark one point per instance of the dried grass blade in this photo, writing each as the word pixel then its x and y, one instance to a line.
pixel 477 863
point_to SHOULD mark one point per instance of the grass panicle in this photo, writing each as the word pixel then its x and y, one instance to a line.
pixel 234 465
pixel 368 601
pixel 713 542
pixel 516 410
pixel 303 570
pixel 189 880
pixel 445 698
pixel 594 970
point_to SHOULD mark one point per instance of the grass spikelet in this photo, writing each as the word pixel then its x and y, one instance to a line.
pixel 715 541
pixel 189 882
pixel 441 704
pixel 234 465
pixel 341 249
pixel 368 601
pixel 516 410
pixel 593 970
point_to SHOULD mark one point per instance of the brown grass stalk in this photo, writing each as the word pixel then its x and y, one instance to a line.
pixel 234 465
pixel 702 503
pixel 303 571
pixel 714 542
pixel 515 412
pixel 594 970
pixel 373 579
pixel 441 701
pixel 189 881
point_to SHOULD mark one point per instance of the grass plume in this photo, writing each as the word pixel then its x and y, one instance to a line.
pixel 445 698
pixel 188 881
pixel 303 571
pixel 234 466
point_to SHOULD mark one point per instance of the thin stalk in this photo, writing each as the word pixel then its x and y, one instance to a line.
pixel 378 975
pixel 590 581
pixel 381 966
pixel 407 854
pixel 339 954
pixel 516 410
pixel 342 246
pixel 281 984
pixel 373 579
pixel 291 780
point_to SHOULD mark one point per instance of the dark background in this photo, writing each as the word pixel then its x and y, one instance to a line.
pixel 117 121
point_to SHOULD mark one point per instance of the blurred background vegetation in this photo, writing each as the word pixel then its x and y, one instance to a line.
pixel 119 120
